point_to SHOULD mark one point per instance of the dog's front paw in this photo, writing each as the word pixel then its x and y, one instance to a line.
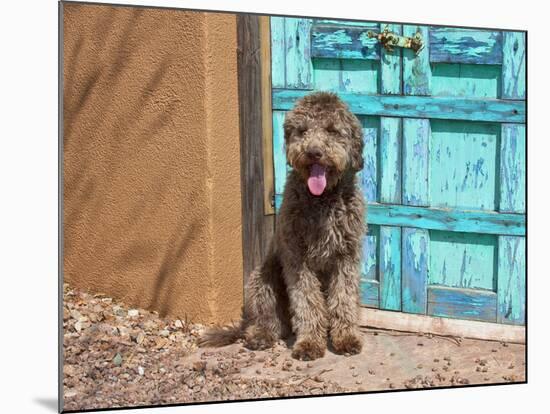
pixel 307 350
pixel 256 338
pixel 347 343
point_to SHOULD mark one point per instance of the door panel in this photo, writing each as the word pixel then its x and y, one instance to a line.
pixel 444 172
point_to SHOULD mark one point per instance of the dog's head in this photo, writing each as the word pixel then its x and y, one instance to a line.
pixel 323 139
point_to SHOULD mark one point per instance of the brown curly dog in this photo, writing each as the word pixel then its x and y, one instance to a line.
pixel 309 280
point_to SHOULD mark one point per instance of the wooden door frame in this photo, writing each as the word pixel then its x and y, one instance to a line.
pixel 256 151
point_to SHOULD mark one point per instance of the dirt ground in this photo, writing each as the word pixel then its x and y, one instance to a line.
pixel 115 356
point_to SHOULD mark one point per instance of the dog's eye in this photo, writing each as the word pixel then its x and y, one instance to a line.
pixel 301 130
pixel 331 129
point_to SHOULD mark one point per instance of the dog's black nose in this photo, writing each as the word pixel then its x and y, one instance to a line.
pixel 314 153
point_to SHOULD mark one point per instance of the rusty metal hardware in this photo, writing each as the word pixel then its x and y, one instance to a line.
pixel 390 40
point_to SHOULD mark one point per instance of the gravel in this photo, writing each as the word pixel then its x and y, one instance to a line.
pixel 115 357
pixel 119 356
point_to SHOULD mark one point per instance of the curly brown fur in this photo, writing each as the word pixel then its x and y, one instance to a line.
pixel 310 278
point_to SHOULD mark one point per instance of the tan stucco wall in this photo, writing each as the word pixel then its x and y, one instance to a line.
pixel 152 203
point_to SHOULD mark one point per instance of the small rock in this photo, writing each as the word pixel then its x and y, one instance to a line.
pixel 494 350
pixel 392 385
pixel 69 370
pixel 118 311
pixel 117 360
pixel 133 313
pixel 447 358
pixel 358 382
pixel 164 332
pixel 484 369
pixel 511 366
pixel 436 359
pixel 355 374
pixel 178 324
pixel 478 369
pixel 199 365
pixel 317 378
pixel 309 365
pixel 420 344
pixel 140 337
pixel 141 370
pixel 123 331
pixel 76 314
pixel 371 372
pixel 420 366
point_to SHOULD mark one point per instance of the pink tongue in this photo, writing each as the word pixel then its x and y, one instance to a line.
pixel 317 180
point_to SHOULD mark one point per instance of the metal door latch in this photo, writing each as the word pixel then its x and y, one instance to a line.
pixel 390 40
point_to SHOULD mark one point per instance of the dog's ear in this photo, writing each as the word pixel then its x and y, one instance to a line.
pixel 357 144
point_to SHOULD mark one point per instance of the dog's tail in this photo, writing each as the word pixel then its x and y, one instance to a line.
pixel 222 335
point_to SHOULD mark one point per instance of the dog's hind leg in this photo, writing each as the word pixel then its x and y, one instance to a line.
pixel 266 305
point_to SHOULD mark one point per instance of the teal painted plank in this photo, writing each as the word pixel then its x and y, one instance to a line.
pixel 390 70
pixel 390 268
pixel 278 63
pixel 279 154
pixel 359 76
pixel 416 137
pixel 471 304
pixel 512 168
pixel 368 176
pixel 278 201
pixel 369 265
pixel 447 219
pixel 390 160
pixel 454 45
pixel 415 257
pixel 464 165
pixel 466 80
pixel 344 42
pixel 369 293
pixel 511 280
pixel 298 56
pixel 340 75
pixel 326 75
pixel 463 260
pixel 416 69
pixel 471 109
pixel 513 66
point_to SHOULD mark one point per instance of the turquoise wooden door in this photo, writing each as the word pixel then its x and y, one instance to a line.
pixel 444 171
